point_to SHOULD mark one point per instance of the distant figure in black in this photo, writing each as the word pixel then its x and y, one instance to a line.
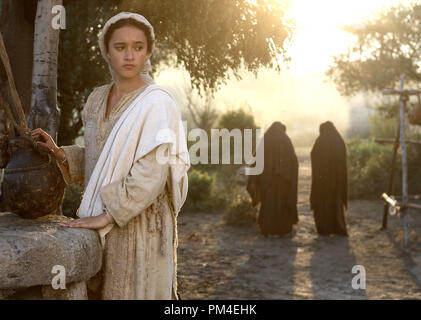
pixel 329 181
pixel 276 186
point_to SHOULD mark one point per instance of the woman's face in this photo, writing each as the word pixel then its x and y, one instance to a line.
pixel 127 52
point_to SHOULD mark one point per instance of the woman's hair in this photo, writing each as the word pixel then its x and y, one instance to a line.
pixel 129 22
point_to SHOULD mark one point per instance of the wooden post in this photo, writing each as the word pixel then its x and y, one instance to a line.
pixel 404 97
pixel 391 177
pixel 403 100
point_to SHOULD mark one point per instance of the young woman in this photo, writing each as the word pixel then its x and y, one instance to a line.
pixel 134 165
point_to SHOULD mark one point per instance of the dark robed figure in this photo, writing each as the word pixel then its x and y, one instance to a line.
pixel 276 186
pixel 329 182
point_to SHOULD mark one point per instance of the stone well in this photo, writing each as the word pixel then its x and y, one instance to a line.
pixel 29 249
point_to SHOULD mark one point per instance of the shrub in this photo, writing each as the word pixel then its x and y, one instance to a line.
pixel 369 165
pixel 367 168
pixel 241 118
pixel 240 211
pixel 201 195
pixel 211 186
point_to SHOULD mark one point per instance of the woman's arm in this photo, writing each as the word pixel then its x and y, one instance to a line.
pixel 70 159
pixel 94 223
pixel 127 198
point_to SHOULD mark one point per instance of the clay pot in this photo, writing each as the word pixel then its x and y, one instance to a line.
pixel 33 185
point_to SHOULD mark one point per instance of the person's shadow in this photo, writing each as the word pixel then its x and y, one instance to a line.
pixel 268 273
pixel 331 270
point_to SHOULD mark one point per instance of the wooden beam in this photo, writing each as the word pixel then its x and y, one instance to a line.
pixel 389 140
pixel 411 197
pixel 414 206
pixel 402 92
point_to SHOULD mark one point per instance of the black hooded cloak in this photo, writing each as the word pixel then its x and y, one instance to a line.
pixel 276 187
pixel 329 181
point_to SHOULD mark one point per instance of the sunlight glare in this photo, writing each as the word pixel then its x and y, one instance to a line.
pixel 318 35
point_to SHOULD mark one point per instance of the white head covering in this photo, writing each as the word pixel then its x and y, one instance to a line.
pixel 144 74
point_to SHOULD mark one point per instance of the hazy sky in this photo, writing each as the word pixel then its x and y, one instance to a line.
pixel 301 97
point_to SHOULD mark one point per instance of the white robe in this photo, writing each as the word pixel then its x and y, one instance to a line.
pixel 141 203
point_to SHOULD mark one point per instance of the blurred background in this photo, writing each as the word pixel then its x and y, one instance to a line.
pixel 246 63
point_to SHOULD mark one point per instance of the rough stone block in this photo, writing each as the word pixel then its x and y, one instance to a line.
pixel 29 249
pixel 73 291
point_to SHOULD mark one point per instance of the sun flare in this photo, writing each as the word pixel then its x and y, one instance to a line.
pixel 318 35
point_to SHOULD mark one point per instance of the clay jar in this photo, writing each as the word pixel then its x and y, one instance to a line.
pixel 33 185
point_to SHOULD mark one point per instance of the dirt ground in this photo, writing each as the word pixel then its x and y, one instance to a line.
pixel 216 261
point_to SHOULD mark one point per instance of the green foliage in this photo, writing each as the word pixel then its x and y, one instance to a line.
pixel 368 166
pixel 201 195
pixel 241 118
pixel 382 127
pixel 80 65
pixel 208 38
pixel 369 163
pixel 388 45
pixel 72 199
pixel 212 186
pixel 240 211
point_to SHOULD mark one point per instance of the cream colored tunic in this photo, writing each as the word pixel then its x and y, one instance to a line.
pixel 140 254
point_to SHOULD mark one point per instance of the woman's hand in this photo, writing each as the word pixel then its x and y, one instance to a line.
pixel 47 143
pixel 92 223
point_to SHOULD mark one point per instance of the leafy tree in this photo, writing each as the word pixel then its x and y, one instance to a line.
pixel 80 67
pixel 388 45
pixel 207 37
pixel 241 118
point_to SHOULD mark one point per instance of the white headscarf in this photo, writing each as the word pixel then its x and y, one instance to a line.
pixel 144 74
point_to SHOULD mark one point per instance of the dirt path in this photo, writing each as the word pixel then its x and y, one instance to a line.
pixel 216 261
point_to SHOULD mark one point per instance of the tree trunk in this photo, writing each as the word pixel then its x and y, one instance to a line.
pixel 44 112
